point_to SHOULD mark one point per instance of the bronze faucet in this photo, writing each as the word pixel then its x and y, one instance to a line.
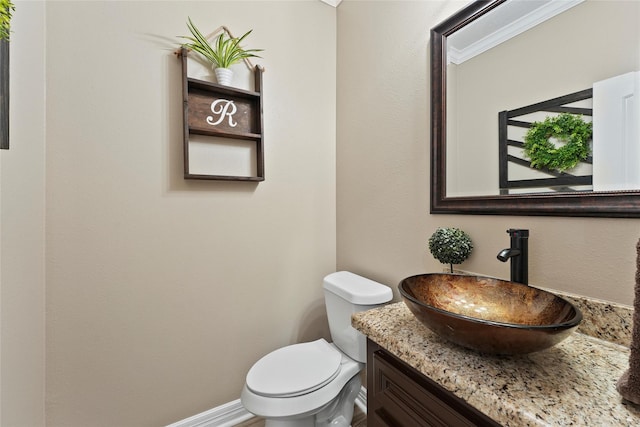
pixel 519 255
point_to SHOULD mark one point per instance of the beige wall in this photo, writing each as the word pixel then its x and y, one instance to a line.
pixel 161 292
pixel 383 171
pixel 22 225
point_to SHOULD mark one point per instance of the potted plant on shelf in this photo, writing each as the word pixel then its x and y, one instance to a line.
pixel 222 54
pixel 450 246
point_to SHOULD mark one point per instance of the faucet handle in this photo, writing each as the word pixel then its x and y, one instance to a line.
pixel 518 232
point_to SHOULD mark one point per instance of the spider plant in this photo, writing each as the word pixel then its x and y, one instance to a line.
pixel 6 9
pixel 225 52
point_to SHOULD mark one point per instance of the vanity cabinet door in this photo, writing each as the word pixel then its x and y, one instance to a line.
pixel 398 396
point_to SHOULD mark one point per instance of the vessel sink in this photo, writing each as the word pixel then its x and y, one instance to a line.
pixel 489 315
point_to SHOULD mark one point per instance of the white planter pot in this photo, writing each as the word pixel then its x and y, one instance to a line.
pixel 224 76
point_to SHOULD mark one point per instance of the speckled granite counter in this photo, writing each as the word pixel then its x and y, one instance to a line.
pixel 572 383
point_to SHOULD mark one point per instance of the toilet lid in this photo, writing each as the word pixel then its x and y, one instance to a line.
pixel 294 370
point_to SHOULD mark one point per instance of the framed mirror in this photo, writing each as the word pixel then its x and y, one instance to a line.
pixel 484 72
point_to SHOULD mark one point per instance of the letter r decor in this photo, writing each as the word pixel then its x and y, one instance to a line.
pixel 222 108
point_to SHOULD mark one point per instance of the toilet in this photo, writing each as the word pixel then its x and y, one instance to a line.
pixel 316 383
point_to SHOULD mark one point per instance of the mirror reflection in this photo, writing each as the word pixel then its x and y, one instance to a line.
pixel 534 60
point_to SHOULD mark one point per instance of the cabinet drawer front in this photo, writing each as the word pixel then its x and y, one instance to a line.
pixel 400 396
pixel 411 405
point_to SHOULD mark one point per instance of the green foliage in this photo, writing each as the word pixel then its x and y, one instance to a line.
pixel 225 52
pixel 6 10
pixel 450 246
pixel 567 128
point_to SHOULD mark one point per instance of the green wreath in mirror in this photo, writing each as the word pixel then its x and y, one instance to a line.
pixel 570 129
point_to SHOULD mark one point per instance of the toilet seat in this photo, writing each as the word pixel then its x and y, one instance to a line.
pixel 295 370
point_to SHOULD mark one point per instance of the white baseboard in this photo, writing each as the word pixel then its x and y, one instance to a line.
pixel 227 415
pixel 233 413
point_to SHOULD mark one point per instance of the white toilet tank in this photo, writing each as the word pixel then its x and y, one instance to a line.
pixel 346 293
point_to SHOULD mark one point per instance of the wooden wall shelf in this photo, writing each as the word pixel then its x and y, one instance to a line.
pixel 213 110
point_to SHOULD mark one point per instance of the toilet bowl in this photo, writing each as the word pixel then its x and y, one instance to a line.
pixel 316 383
pixel 301 383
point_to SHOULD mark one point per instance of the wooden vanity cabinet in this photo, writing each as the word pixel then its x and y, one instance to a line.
pixel 398 396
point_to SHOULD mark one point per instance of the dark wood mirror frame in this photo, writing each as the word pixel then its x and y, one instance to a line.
pixel 623 204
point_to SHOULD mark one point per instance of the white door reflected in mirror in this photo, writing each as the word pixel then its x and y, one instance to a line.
pixel 616 133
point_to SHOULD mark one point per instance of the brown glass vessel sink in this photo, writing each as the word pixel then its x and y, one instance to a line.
pixel 489 315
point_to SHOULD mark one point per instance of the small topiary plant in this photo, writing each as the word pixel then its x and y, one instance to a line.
pixel 450 246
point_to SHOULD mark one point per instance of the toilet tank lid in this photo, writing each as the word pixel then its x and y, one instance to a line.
pixel 357 289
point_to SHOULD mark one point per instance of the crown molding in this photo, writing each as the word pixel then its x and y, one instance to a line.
pixel 512 29
pixel 334 3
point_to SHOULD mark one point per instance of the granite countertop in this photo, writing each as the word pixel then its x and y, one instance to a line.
pixel 572 383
